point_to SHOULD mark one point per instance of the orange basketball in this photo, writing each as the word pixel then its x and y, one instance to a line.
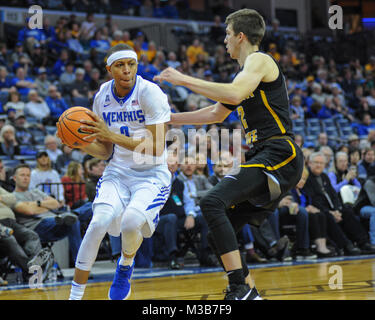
pixel 68 127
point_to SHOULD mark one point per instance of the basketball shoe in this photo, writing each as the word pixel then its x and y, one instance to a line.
pixel 120 288
pixel 241 292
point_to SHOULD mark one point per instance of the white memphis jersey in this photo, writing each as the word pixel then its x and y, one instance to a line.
pixel 146 104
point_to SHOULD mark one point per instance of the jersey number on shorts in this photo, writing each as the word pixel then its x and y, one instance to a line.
pixel 125 130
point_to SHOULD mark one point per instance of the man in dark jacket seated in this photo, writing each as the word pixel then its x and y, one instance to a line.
pixel 324 197
pixel 178 214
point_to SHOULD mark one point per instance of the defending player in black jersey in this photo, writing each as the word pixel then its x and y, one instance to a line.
pixel 273 165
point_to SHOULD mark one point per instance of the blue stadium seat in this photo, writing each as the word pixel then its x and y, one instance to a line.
pixel 31 119
pixel 298 123
pixel 313 131
pixel 328 122
pixel 313 122
pixel 4 157
pixel 346 131
pixel 11 163
pixel 25 157
pixel 343 122
pixel 331 131
pixel 299 130
pixel 31 163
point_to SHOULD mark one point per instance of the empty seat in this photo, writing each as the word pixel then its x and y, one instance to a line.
pixel 313 122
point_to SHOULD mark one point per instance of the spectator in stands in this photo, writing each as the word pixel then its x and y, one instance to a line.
pixel 371 99
pixel 317 219
pixel 95 171
pixel 23 83
pixel 21 244
pixel 297 111
pixel 325 198
pixel 354 156
pixel 5 80
pixel 6 181
pixel 146 9
pixel 322 139
pixel 22 132
pixel 196 186
pixel 368 161
pixel 80 88
pixel 365 203
pixel 328 152
pixel 34 209
pixel 17 54
pixel 343 175
pixel 158 11
pixel 8 142
pixel 42 82
pixel 60 64
pixel 290 212
pixel 145 69
pixel 51 143
pixel 36 107
pixel 178 207
pixel 14 101
pixel 127 39
pixel 99 42
pixel 56 104
pixel 29 36
pixel 117 38
pixel 75 193
pixel 43 175
pixel 68 76
pixel 337 93
pixel 217 31
pixel 318 95
pixel 88 27
pixel 48 30
pixel 172 60
pixel 170 10
pixel 73 44
pixel 354 141
pixel 193 50
pixel 94 83
pixel 366 124
pixel 63 159
pixel 299 140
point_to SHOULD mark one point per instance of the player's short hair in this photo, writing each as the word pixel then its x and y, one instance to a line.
pixel 250 22
pixel 117 47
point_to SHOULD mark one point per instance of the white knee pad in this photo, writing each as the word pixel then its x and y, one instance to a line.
pixel 132 226
pixel 102 218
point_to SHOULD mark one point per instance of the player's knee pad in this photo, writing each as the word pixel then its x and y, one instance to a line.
pixel 101 219
pixel 133 220
pixel 212 209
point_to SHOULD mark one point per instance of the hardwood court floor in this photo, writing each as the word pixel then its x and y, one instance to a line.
pixel 291 282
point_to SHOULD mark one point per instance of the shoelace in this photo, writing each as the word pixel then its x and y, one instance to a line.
pixel 121 277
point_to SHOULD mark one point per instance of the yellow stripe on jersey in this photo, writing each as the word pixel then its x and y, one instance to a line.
pixel 272 168
pixel 274 115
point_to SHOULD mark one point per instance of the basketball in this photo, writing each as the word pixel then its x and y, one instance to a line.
pixel 68 127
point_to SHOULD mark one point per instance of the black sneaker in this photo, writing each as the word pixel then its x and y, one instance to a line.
pixel 66 218
pixel 305 254
pixel 241 292
pixel 174 265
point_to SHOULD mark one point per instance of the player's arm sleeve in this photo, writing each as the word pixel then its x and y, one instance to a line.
pixel 154 103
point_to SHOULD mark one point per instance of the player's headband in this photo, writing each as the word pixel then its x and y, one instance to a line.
pixel 124 54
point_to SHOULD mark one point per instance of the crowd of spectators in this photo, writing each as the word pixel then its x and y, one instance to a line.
pixel 47 71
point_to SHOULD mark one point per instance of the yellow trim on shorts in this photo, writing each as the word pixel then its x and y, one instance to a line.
pixel 274 115
pixel 278 166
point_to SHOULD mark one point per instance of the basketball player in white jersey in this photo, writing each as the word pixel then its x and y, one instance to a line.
pixel 130 193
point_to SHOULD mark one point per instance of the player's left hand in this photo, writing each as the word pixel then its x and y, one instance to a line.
pixel 170 75
pixel 97 128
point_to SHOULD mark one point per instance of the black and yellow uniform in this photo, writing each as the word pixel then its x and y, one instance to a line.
pixel 273 165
